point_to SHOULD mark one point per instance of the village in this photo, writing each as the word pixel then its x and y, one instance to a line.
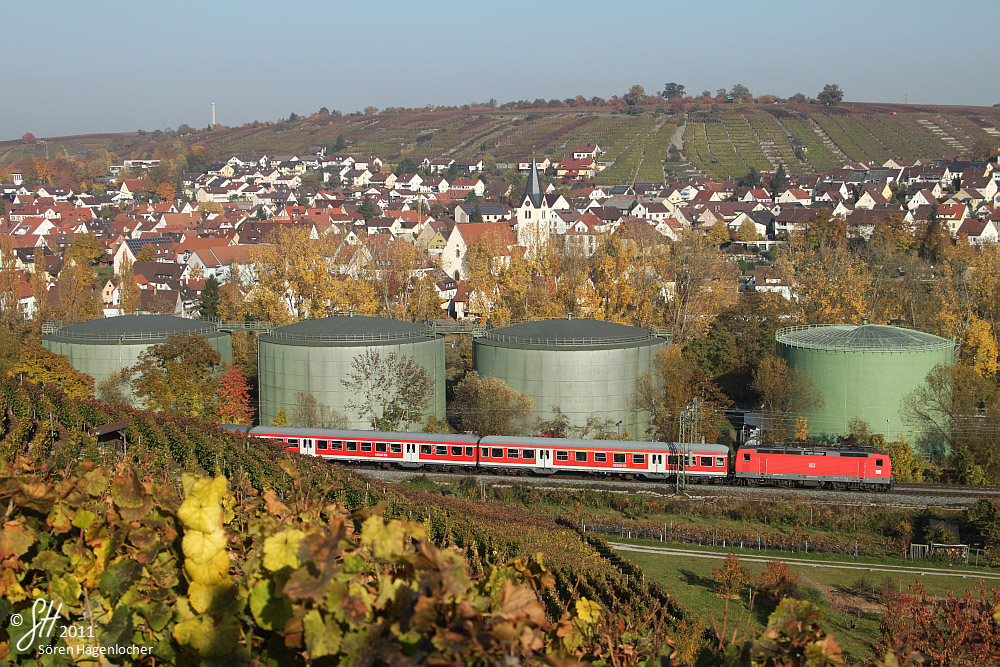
pixel 170 243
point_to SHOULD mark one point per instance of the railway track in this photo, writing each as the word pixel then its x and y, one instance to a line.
pixel 911 496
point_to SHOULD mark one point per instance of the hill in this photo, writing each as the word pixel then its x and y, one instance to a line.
pixel 720 140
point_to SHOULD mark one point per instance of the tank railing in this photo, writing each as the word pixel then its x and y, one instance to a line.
pixel 133 335
pixel 350 338
pixel 541 340
pixel 835 344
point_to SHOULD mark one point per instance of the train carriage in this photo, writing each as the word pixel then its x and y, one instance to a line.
pixel 407 450
pixel 653 460
pixel 867 469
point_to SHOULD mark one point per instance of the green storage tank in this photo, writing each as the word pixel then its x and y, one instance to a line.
pixel 586 368
pixel 313 356
pixel 863 371
pixel 102 347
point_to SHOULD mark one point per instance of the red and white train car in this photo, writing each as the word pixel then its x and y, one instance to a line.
pixel 654 460
pixel 407 450
pixel 866 469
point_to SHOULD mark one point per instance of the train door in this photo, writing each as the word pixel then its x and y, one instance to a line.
pixel 657 463
pixel 308 447
pixel 410 453
pixel 545 459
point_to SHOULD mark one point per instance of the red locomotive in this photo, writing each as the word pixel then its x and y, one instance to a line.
pixel 862 469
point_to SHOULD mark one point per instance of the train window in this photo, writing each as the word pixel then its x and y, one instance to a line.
pixel 441 450
pixel 485 452
pixel 497 453
pixel 512 454
pixel 639 458
pixel 878 462
pixel 470 451
pixel 706 461
pixel 395 448
pixel 720 461
pixel 336 444
pixel 671 459
pixel 352 446
pixel 322 444
pixel 293 441
pixel 380 447
pixel 746 456
pixel 366 446
pixel 456 451
pixel 600 457
pixel 527 453
pixel 619 458
pixel 562 456
pixel 425 449
pixel 581 457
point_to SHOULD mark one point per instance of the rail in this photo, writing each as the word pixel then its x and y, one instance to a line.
pixel 352 338
pixel 585 341
pixel 133 335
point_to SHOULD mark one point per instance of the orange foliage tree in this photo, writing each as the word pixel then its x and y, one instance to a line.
pixel 234 397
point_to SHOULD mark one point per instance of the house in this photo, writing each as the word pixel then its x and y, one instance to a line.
pixel 462 236
pixel 130 249
pixel 584 151
pixel 978 232
pixel 489 212
pixel 475 185
pixel 408 182
pixel 768 279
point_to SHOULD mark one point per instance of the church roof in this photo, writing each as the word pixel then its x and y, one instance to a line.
pixel 533 189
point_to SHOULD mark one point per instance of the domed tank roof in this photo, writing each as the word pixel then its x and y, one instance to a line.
pixel 132 328
pixel 861 338
pixel 570 334
pixel 349 330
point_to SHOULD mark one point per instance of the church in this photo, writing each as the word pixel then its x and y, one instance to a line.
pixel 536 213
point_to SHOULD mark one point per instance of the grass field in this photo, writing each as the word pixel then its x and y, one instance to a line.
pixel 852 617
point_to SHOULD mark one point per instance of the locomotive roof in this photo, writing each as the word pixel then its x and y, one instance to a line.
pixel 825 451
pixel 558 443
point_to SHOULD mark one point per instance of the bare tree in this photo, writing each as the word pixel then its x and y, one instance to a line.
pixel 388 389
pixel 310 413
pixel 489 406
pixel 785 392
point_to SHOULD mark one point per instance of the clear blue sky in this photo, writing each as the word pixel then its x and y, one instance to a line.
pixel 78 67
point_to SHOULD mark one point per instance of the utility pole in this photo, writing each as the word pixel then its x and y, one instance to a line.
pixel 688 432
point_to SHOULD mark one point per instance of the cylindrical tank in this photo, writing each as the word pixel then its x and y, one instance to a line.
pixel 102 347
pixel 314 356
pixel 862 371
pixel 586 368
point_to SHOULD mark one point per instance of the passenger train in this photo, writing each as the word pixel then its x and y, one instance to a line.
pixel 753 463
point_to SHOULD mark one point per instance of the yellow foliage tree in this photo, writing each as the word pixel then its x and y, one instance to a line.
pixel 979 347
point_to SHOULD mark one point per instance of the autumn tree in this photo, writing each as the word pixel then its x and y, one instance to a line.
pixel 627 279
pixel 668 390
pixel 115 388
pixel 28 138
pixel 280 418
pixel 294 278
pixel 388 389
pixel 10 283
pixel 776 582
pixel 718 234
pixel 78 300
pixel 147 253
pixel 946 630
pixel 128 289
pixel 37 364
pixel 747 232
pixel 498 277
pixel 87 249
pixel 165 192
pixel 704 281
pixel 785 392
pixel 486 405
pixel 233 397
pixel 958 410
pixel 731 578
pixel 635 95
pixel 906 466
pixel 179 375
pixel 310 413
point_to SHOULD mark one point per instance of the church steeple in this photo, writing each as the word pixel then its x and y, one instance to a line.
pixel 533 188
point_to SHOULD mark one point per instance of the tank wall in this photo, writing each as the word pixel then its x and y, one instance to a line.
pixel 102 361
pixel 581 383
pixel 285 370
pixel 867 385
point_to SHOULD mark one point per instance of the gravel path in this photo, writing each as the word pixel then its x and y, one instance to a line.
pixel 910 496
pixel 811 562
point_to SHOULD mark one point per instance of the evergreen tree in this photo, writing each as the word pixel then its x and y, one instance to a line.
pixel 477 215
pixel 210 299
pixel 341 143
pixel 368 209
pixel 780 180
pixel 752 179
